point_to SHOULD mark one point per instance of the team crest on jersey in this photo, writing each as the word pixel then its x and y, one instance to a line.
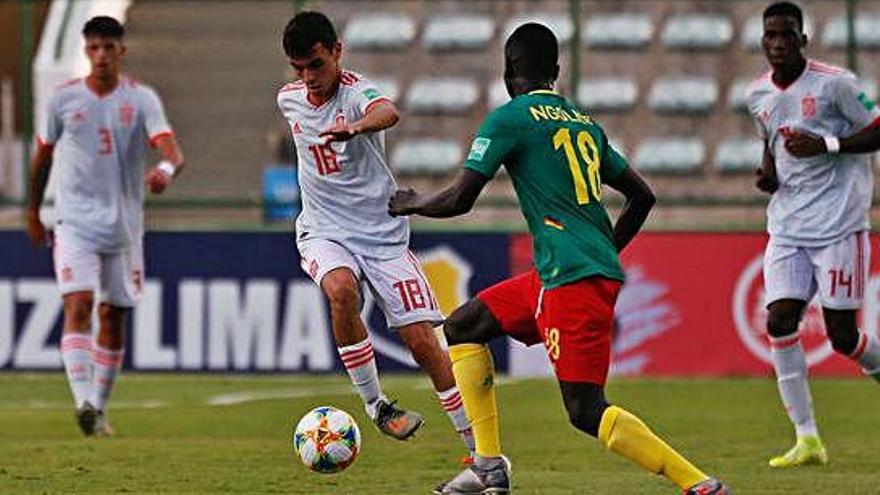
pixel 79 117
pixel 126 114
pixel 808 106
pixel 295 128
pixel 66 274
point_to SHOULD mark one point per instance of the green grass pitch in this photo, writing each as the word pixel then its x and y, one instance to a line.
pixel 212 434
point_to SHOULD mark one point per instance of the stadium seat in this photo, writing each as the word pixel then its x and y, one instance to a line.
pixel 670 154
pixel 497 95
pixel 425 155
pixel 442 94
pixel 739 154
pixel 753 31
pixel 736 95
pixel 617 31
pixel 867 32
pixel 560 24
pixel 683 95
pixel 458 32
pixel 380 31
pixel 607 94
pixel 697 31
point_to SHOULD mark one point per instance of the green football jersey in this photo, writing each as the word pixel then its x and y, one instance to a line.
pixel 558 158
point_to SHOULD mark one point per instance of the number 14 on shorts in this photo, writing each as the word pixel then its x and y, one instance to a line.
pixel 841 281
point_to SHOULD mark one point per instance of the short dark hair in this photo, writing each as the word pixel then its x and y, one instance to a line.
pixel 306 29
pixel 532 52
pixel 104 27
pixel 787 9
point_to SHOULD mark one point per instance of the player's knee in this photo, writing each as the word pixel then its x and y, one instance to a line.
pixel 455 329
pixel 782 321
pixel 342 292
pixel 78 309
pixel 466 324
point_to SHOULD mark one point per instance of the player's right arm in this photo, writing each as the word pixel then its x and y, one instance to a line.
pixel 41 166
pixel 494 142
pixel 767 180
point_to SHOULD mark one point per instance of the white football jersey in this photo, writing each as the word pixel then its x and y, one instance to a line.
pixel 345 185
pixel 98 159
pixel 823 198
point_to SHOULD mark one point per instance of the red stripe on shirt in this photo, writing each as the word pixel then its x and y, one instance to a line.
pixel 372 103
pixel 155 139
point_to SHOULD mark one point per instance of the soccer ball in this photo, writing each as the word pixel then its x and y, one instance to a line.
pixel 327 440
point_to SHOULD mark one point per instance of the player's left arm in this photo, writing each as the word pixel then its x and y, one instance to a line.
pixel 378 116
pixel 639 197
pixel 856 107
pixel 162 138
pixel 160 176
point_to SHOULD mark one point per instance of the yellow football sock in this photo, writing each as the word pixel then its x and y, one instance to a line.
pixel 474 374
pixel 626 435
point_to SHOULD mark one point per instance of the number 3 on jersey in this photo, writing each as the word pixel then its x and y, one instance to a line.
pixel 590 154
pixel 106 138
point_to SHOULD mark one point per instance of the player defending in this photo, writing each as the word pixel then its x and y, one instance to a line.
pixel 345 236
pixel 97 130
pixel 811 117
pixel 558 159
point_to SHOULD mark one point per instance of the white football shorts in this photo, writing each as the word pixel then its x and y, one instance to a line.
pixel 117 277
pixel 838 272
pixel 398 285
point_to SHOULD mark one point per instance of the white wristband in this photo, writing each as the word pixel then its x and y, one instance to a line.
pixel 167 168
pixel 832 144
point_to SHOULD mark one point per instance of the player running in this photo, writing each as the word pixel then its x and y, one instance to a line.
pixel 558 159
pixel 97 130
pixel 346 238
pixel 810 116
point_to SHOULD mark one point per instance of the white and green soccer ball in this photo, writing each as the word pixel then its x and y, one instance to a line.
pixel 327 440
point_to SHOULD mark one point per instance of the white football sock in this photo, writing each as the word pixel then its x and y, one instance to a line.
pixel 867 354
pixel 360 363
pixel 107 366
pixel 76 354
pixel 790 364
pixel 454 407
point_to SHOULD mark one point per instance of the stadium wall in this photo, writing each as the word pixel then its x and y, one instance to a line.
pixel 238 302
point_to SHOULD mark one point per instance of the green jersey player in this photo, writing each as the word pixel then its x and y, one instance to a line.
pixel 558 159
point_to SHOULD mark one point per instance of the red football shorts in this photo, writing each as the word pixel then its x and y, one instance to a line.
pixel 574 321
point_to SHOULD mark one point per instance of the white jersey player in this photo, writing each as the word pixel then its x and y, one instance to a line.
pixel 347 240
pixel 97 131
pixel 818 214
